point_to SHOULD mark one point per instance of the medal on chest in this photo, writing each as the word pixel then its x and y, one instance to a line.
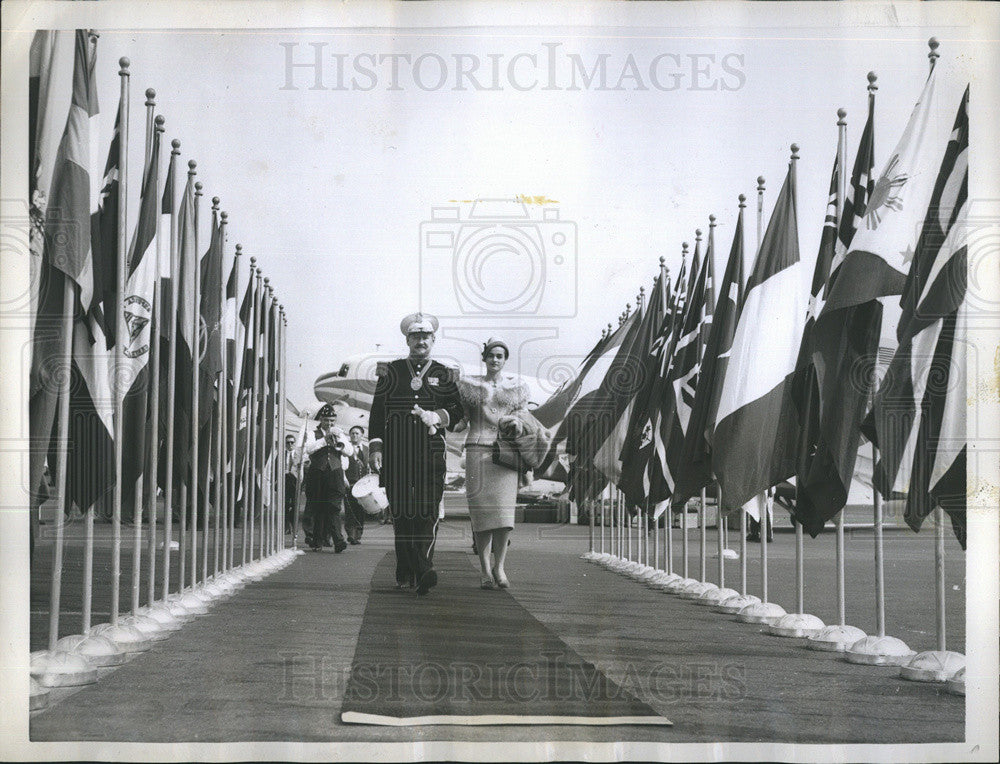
pixel 417 380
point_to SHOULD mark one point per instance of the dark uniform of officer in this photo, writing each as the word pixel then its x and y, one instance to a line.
pixel 325 484
pixel 415 399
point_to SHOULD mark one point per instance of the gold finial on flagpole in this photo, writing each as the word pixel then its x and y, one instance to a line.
pixel 198 187
pixel 760 184
pixel 684 250
pixel 159 123
pixel 609 328
pixel 150 97
pixel 933 55
pixel 872 87
pixel 841 117
pixel 711 221
pixel 215 204
pixel 697 236
pixel 192 166
pixel 743 201
pixel 175 147
pixel 795 151
pixel 124 63
pixel 239 250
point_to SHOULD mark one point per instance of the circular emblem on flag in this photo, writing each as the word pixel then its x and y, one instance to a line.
pixel 886 194
pixel 137 315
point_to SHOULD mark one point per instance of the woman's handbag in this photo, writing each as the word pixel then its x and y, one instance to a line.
pixel 505 455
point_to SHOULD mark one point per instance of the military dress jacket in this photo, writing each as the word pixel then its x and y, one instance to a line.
pixel 411 454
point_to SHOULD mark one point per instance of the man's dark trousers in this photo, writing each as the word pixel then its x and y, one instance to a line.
pixel 354 518
pixel 415 520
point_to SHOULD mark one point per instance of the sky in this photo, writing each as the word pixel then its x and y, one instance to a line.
pixel 334 189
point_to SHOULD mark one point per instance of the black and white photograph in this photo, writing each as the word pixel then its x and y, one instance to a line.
pixel 480 381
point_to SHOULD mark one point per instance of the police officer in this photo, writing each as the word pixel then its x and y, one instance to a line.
pixel 416 398
pixel 325 484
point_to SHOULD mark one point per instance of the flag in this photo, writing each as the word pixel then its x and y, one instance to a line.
pixel 245 387
pixel 140 289
pixel 596 412
pixel 637 444
pixel 185 342
pixel 918 415
pixel 682 377
pixel 633 384
pixel 858 316
pixel 860 188
pixel 695 470
pixel 805 396
pixel 553 411
pixel 168 317
pixel 753 447
pixel 104 241
pixel 61 231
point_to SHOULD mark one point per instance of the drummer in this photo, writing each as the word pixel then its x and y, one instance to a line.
pixel 357 468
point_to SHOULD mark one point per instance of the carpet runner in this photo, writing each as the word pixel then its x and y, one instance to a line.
pixel 466 656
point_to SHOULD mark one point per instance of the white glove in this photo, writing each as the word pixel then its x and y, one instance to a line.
pixel 429 418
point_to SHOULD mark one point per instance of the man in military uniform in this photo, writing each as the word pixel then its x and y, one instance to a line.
pixel 324 483
pixel 416 398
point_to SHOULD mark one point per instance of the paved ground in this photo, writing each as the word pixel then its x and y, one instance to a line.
pixel 272 662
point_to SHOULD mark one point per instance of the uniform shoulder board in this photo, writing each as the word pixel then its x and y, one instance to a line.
pixel 381 368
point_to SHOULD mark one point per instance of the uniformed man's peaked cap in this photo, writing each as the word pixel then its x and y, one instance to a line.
pixel 326 410
pixel 418 322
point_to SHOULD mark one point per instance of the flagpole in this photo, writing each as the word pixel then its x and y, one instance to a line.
pixel 116 518
pixel 841 192
pixel 172 336
pixel 220 416
pixel 196 390
pixel 233 421
pixel 284 424
pixel 143 479
pixel 278 465
pixel 271 416
pixel 250 487
pixel 265 372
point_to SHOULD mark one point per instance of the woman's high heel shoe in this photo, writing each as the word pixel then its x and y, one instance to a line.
pixel 486 582
pixel 501 579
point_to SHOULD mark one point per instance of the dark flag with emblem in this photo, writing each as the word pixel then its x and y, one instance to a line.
pixel 210 350
pixel 140 286
pixel 861 311
pixel 918 415
pixel 695 471
pixel 682 378
pixel 245 387
pixel 638 442
pixel 756 429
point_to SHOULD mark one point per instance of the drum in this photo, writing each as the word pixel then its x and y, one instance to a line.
pixel 370 495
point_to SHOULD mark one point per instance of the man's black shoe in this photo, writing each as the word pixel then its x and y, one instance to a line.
pixel 340 548
pixel 428 580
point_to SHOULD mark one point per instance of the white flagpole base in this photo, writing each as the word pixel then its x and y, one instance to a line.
pixel 176 609
pixel 680 584
pixel 956 685
pixel 603 558
pixel 795 625
pixel 879 651
pixel 192 603
pixel 126 636
pixel 162 615
pixel 761 612
pixel 695 590
pixel 933 666
pixel 38 696
pixel 97 650
pixel 589 555
pixel 648 574
pixel 148 627
pixel 735 604
pixel 716 596
pixel 834 638
pixel 224 585
pixel 663 580
pixel 62 669
pixel 213 590
pixel 637 571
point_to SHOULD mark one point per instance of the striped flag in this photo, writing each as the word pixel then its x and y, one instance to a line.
pixel 756 430
pixel 859 190
pixel 919 412
pixel 140 288
pixel 695 471
pixel 859 315
pixel 61 212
